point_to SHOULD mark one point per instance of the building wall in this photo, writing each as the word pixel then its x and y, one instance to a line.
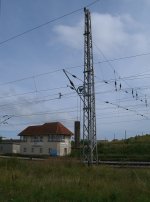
pixel 16 148
pixel 65 147
pixel 9 148
pixel 44 146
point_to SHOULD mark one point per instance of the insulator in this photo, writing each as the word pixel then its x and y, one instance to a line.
pixel 71 83
pixel 74 76
pixel 132 93
pixel 116 85
pixel 146 102
pixel 136 95
pixel 120 86
pixel 60 95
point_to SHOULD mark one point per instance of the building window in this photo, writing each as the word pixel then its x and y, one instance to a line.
pixel 36 139
pixel 56 138
pixel 50 138
pixel 24 149
pixel 62 138
pixel 32 150
pixel 41 139
pixel 1 148
pixel 24 139
pixel 41 150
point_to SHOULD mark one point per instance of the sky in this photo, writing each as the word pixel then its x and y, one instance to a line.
pixel 33 87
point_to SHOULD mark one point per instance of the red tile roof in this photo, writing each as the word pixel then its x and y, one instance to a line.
pixel 54 128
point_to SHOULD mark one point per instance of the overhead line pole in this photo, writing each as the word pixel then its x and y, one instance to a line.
pixel 87 95
pixel 89 117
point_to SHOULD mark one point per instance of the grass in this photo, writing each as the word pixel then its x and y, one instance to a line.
pixel 69 180
pixel 132 149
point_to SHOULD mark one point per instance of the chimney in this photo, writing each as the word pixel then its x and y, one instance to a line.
pixel 77 134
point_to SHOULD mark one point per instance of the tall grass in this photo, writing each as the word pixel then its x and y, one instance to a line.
pixel 67 180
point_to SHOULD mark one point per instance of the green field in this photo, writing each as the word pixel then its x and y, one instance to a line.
pixel 68 180
pixel 132 149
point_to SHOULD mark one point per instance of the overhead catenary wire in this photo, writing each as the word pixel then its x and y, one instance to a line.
pixel 48 113
pixel 65 110
pixel 41 113
pixel 110 91
pixel 121 88
pixel 114 71
pixel 124 121
pixel 33 92
pixel 36 101
pixel 47 23
pixel 6 118
pixel 65 95
pixel 73 75
pixel 66 68
pixel 0 8
pixel 60 112
pixel 139 114
pixel 64 87
pixel 72 85
pixel 96 92
pixel 73 119
pixel 125 57
pixel 40 122
pixel 127 109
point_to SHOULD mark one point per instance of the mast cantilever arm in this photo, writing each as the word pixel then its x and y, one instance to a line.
pixel 72 85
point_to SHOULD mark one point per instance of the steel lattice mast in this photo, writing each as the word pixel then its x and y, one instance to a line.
pixel 89 117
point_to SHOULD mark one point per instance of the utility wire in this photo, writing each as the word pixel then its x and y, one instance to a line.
pixel 7 117
pixel 99 81
pixel 48 22
pixel 32 92
pixel 125 57
pixel 0 8
pixel 119 78
pixel 73 119
pixel 127 109
pixel 41 113
pixel 40 122
pixel 72 67
pixel 74 76
pixel 114 122
pixel 38 75
pixel 37 101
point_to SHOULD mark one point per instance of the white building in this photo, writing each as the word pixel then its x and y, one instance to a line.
pixel 10 147
pixel 52 139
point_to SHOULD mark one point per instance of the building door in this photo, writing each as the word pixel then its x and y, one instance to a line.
pixel 65 151
pixel 52 152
